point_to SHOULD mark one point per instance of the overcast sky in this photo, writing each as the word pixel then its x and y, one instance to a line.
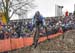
pixel 47 7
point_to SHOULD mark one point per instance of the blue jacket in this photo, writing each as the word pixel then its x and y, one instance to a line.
pixel 41 18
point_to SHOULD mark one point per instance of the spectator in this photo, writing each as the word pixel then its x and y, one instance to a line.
pixel 1 35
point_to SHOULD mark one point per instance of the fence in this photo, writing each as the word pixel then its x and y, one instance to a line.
pixel 16 43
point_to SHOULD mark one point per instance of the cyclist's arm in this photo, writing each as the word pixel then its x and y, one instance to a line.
pixel 43 19
pixel 33 21
pixel 44 23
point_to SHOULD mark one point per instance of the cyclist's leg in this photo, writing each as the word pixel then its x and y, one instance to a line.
pixel 36 36
pixel 45 27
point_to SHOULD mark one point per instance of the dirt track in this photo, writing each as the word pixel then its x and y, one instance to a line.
pixel 56 45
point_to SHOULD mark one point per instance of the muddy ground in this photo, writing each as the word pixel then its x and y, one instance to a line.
pixel 62 44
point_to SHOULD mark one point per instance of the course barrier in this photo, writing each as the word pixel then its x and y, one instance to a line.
pixel 16 43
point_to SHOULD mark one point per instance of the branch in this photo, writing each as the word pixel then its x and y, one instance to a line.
pixel 3 6
pixel 2 10
pixel 23 9
pixel 12 14
pixel 19 7
pixel 17 4
pixel 15 11
pixel 27 3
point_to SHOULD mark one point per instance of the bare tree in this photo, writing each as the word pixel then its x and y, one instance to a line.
pixel 18 7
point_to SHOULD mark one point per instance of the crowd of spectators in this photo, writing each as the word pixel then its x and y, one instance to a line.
pixel 14 30
pixel 19 29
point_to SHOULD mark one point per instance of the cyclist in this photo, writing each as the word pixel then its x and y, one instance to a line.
pixel 37 20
